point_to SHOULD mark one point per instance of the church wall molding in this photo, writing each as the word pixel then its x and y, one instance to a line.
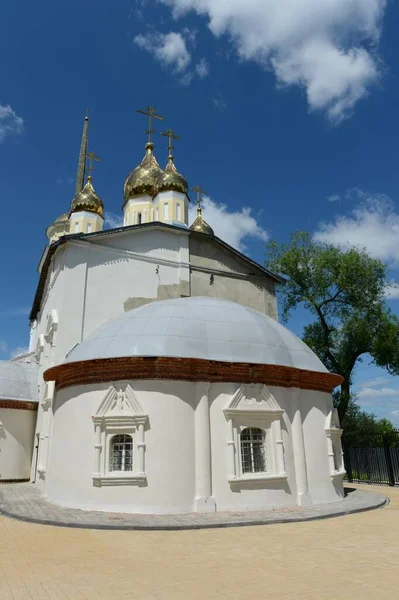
pixel 18 404
pixel 123 253
pixel 188 369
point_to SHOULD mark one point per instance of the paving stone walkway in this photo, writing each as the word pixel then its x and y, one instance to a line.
pixel 23 501
pixel 349 558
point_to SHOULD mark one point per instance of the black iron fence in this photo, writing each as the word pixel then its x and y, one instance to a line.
pixel 372 459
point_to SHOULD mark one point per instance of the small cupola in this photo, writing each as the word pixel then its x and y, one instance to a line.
pixel 199 223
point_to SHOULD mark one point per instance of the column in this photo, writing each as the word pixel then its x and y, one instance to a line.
pixel 42 460
pixel 298 444
pixel 280 449
pixel 204 502
pixel 330 448
pixel 232 450
pixel 140 448
pixel 97 450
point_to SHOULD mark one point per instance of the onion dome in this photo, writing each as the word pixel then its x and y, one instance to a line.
pixel 171 180
pixel 200 224
pixel 142 179
pixel 87 199
pixel 62 219
pixel 59 226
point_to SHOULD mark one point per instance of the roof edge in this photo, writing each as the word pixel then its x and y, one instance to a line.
pixel 51 249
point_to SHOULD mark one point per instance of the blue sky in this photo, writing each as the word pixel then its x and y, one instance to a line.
pixel 287 113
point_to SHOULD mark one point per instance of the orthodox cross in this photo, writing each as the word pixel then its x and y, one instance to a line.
pixel 151 113
pixel 199 191
pixel 91 156
pixel 169 133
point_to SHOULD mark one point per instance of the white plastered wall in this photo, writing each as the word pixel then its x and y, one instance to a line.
pixel 169 455
pixel 16 442
pixel 171 439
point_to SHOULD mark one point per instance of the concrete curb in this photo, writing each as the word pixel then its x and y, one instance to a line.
pixel 379 501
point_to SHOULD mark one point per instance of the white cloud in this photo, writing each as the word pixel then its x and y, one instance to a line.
pixel 19 351
pixel 232 227
pixel 113 220
pixel 334 198
pixel 3 346
pixel 376 381
pixel 10 123
pixel 218 102
pixel 377 393
pixel 17 311
pixel 392 291
pixel 326 47
pixel 202 68
pixel 169 49
pixel 373 224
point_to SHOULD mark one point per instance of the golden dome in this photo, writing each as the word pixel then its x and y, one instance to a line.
pixel 141 180
pixel 61 219
pixel 59 227
pixel 87 199
pixel 170 180
pixel 200 224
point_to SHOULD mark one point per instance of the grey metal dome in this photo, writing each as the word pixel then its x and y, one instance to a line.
pixel 18 380
pixel 196 327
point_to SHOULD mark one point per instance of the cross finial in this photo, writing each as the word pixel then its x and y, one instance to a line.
pixel 91 156
pixel 151 113
pixel 169 133
pixel 199 191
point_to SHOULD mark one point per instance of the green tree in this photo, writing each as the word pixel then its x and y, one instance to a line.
pixel 345 292
pixel 360 425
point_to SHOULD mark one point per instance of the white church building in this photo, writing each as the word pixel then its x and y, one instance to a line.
pixel 158 378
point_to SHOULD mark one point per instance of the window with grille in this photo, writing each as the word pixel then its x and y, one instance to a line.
pixel 121 453
pixel 253 455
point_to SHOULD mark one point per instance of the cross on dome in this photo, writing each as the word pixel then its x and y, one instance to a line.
pixel 151 113
pixel 169 133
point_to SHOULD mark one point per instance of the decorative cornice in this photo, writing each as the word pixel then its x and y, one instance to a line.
pixel 187 369
pixel 18 404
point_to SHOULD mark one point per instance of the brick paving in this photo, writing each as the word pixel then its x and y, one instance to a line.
pixel 350 557
pixel 24 501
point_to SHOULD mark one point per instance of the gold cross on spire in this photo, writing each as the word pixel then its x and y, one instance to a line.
pixel 199 191
pixel 169 133
pixel 91 156
pixel 151 113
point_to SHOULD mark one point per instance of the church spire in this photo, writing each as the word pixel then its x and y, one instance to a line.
pixel 80 177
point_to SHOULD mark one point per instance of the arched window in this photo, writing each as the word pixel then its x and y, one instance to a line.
pixel 253 459
pixel 121 453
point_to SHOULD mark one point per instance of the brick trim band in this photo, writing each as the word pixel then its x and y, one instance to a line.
pixel 18 404
pixel 187 369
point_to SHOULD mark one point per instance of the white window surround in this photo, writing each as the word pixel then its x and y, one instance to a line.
pixel 334 447
pixel 120 412
pixel 253 405
pixel 166 211
pixel 88 228
pixel 51 327
pixel 76 227
pixel 178 211
pixel 39 348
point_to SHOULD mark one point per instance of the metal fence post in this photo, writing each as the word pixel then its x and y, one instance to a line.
pixel 388 458
pixel 348 465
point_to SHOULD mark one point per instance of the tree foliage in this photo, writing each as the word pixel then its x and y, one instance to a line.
pixel 360 426
pixel 345 292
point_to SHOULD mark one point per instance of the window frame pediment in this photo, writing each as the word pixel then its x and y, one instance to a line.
pixel 254 406
pixel 120 413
